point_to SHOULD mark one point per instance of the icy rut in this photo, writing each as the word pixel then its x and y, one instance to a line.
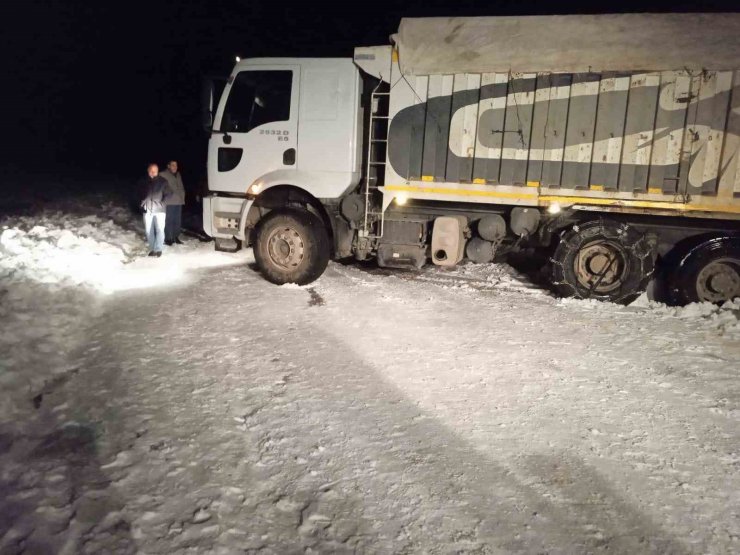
pixel 442 412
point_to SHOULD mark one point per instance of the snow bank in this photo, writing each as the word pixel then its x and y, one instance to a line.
pixel 722 320
pixel 65 250
pixel 725 319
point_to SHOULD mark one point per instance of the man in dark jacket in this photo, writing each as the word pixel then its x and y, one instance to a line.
pixel 155 192
pixel 174 203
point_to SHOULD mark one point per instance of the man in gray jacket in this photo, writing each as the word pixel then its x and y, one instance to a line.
pixel 175 202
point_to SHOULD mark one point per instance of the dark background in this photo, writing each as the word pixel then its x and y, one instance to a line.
pixel 105 87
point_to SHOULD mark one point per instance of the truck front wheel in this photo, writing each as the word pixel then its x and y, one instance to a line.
pixel 602 260
pixel 291 246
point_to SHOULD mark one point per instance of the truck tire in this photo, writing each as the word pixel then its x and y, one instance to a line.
pixel 707 272
pixel 602 260
pixel 291 246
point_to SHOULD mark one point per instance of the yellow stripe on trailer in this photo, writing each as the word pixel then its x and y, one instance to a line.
pixel 657 205
pixel 462 192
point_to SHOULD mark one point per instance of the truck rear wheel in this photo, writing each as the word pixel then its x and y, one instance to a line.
pixel 291 246
pixel 602 260
pixel 709 272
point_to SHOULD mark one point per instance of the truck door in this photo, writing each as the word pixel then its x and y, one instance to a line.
pixel 256 128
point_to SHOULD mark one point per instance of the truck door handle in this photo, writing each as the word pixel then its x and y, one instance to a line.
pixel 289 157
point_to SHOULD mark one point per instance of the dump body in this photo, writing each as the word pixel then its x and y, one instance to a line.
pixel 652 136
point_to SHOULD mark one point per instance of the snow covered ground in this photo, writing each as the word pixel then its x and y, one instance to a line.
pixel 185 405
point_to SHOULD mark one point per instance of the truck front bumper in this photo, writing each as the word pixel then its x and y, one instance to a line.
pixel 226 217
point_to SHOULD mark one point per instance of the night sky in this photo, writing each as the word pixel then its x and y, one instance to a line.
pixel 108 86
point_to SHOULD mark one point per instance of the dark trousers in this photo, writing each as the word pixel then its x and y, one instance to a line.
pixel 173 223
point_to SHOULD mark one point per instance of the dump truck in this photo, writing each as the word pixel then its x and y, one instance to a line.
pixel 606 145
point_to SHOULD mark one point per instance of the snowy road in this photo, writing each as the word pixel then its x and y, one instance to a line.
pixel 449 412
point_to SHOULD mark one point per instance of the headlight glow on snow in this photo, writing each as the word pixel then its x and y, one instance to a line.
pixel 174 268
pixel 107 275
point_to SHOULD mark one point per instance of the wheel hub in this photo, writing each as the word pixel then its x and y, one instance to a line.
pixel 601 266
pixel 285 247
pixel 719 281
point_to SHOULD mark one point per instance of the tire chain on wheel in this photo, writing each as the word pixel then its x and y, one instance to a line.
pixel 638 244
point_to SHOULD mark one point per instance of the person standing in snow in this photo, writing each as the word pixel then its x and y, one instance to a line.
pixel 174 204
pixel 156 193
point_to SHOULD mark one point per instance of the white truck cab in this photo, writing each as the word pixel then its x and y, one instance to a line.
pixel 282 122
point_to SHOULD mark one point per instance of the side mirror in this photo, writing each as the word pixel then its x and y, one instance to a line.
pixel 207 96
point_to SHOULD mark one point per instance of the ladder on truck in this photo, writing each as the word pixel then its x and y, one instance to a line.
pixel 377 151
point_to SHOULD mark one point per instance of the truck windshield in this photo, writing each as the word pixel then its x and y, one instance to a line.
pixel 257 98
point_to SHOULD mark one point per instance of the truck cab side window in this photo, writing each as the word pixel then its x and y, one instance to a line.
pixel 257 98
